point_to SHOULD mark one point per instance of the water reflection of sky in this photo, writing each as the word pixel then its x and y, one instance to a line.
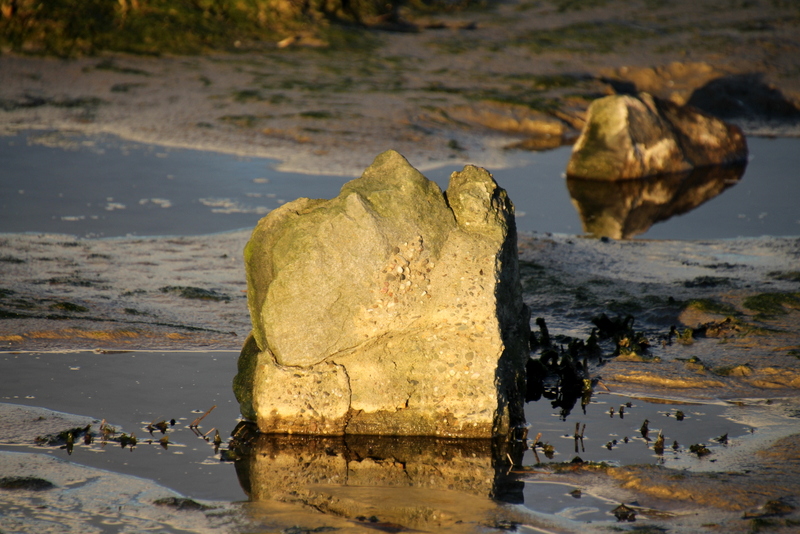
pixel 108 187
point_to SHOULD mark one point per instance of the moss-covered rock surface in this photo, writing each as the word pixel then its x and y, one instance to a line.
pixel 392 309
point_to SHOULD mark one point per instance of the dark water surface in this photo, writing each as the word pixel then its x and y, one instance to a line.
pixel 133 389
pixel 105 187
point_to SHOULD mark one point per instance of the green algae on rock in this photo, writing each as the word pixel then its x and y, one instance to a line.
pixel 392 309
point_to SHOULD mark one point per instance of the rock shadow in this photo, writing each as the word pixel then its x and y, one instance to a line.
pixel 744 96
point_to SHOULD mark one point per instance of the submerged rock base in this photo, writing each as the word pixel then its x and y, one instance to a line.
pixel 392 309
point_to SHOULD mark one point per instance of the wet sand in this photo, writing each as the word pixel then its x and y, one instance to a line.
pixel 441 97
pixel 61 292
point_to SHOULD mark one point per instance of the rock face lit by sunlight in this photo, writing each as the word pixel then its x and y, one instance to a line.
pixel 634 136
pixel 393 309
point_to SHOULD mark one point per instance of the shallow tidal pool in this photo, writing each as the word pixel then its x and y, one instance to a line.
pixel 103 186
pixel 106 187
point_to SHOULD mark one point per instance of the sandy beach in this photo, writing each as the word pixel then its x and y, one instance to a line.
pixel 466 88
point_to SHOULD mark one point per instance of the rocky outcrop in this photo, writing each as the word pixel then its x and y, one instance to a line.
pixel 635 136
pixel 392 309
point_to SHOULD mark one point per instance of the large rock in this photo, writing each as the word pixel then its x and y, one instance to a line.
pixel 635 136
pixel 392 309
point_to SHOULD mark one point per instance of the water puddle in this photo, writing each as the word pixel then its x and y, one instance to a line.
pixel 132 390
pixel 103 187
pixel 618 439
pixel 567 501
pixel 419 483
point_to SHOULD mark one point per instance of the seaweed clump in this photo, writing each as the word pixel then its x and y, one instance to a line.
pixel 561 373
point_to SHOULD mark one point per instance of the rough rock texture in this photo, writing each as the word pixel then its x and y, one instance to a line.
pixel 392 309
pixel 634 136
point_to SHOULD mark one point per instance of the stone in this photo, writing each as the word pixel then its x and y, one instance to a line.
pixel 629 137
pixel 392 309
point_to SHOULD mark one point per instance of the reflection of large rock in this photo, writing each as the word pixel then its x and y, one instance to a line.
pixel 635 136
pixel 391 309
pixel 624 209
pixel 422 483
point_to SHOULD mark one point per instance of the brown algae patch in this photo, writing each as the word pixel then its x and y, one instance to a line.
pixel 775 378
pixel 653 379
pixel 774 474
pixel 75 333
pixel 120 336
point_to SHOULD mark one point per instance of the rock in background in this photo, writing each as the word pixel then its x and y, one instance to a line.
pixel 636 136
pixel 393 309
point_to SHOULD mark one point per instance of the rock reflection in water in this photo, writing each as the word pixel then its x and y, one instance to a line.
pixel 626 208
pixel 417 483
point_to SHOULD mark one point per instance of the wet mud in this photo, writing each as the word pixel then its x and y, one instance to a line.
pixel 180 292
